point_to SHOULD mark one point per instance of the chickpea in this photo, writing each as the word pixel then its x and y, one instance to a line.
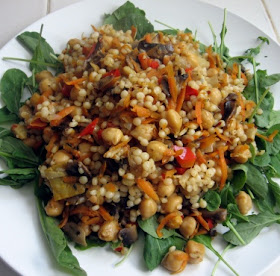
pixel 72 42
pixel 241 154
pixel 174 260
pixel 196 252
pixel 156 150
pixel 148 207
pixel 109 231
pixel 251 133
pixel 20 131
pixel 207 119
pixel 84 147
pixel 34 100
pixel 244 202
pixel 112 135
pixel 46 84
pixel 188 227
pixel 192 59
pixel 174 120
pixel 215 96
pixel 144 131
pixel 165 190
pixel 172 204
pixel 61 156
pixel 30 142
pixel 175 222
pixel 25 112
pixel 43 75
pixel 212 72
pixel 54 208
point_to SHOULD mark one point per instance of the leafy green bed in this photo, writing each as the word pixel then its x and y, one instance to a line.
pixel 255 177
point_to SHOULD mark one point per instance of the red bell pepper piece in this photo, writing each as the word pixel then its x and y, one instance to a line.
pixel 115 73
pixel 99 134
pixel 180 170
pixel 37 124
pixel 210 223
pixel 89 128
pixel 187 158
pixel 190 92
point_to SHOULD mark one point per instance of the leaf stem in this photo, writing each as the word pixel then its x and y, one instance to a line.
pixel 214 37
pixel 256 80
pixel 229 246
pixel 231 227
pixel 223 34
pixel 125 256
pixel 166 25
pixel 258 105
pixel 31 61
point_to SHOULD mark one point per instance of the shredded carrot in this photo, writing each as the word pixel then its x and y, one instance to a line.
pixel 37 123
pixel 170 173
pixel 198 110
pixel 70 179
pixel 172 82
pixel 234 71
pixel 74 82
pixel 65 216
pixel 201 232
pixel 141 111
pixel 208 141
pixel 133 31
pixel 223 164
pixel 200 158
pixel 203 222
pixel 50 145
pixel 166 59
pixel 185 258
pixel 88 221
pixel 148 121
pixel 110 187
pixel 62 114
pixel 71 150
pixel 171 104
pixel 164 221
pixel 211 58
pixel 161 40
pixel 147 188
pixel 104 214
pixel 270 137
pixel 102 169
pixel 148 38
pixel 181 99
pixel 126 101
pixel 83 210
pixel 243 76
pixel 221 136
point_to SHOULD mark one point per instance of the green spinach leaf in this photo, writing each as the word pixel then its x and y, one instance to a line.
pixel 213 200
pixel 7 116
pixel 127 16
pixel 11 86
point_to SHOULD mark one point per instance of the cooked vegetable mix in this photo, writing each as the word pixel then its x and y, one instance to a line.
pixel 143 130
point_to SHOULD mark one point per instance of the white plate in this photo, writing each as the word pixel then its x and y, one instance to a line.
pixel 23 245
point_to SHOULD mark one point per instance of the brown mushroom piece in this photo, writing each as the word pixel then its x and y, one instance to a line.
pixel 230 106
pixel 75 232
pixel 218 215
pixel 128 235
pixel 72 169
pixel 156 50
pixel 165 87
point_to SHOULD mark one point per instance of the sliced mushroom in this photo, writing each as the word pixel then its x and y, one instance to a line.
pixel 230 106
pixel 165 87
pixel 218 215
pixel 128 235
pixel 76 168
pixel 156 50
pixel 75 232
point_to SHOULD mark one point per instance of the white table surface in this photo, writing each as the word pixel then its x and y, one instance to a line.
pixel 15 15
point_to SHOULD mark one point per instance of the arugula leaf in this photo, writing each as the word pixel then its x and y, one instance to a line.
pixel 227 196
pixel 206 240
pixel 234 212
pixel 255 51
pixel 58 244
pixel 264 159
pixel 7 116
pixel 150 225
pixel 11 86
pixel 249 230
pixel 274 118
pixel 239 177
pixel 127 16
pixel 155 249
pixel 213 200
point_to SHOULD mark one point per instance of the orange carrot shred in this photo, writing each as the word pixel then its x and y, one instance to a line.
pixel 133 31
pixel 221 136
pixel 268 138
pixel 110 187
pixel 200 157
pixel 141 111
pixel 183 257
pixel 203 222
pixel 198 110
pixel 170 173
pixel 147 188
pixel 164 221
pixel 104 214
pixel 83 210
pixel 65 216
pixel 62 114
pixel 74 82
pixel 223 164
pixel 172 82
pixel 181 99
